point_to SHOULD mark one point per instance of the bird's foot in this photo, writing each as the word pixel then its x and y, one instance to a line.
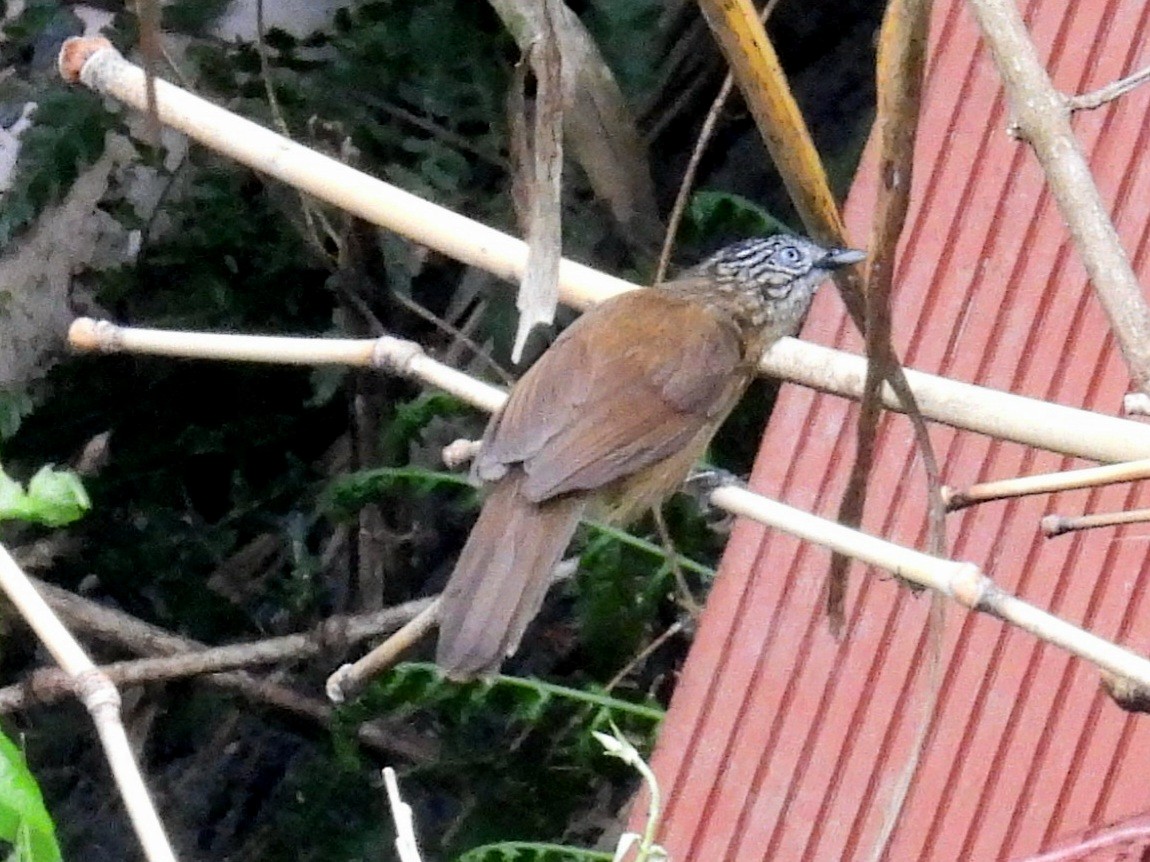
pixel 702 483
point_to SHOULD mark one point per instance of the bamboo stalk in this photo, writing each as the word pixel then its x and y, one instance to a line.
pixel 94 62
pixel 1056 525
pixel 1041 424
pixel 1067 430
pixel 1046 483
pixel 962 581
pixel 399 356
pixel 100 698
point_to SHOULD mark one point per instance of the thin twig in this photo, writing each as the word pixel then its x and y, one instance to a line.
pixel 1098 98
pixel 644 654
pixel 406 845
pixel 671 557
pixel 349 679
pixel 128 632
pixel 311 215
pixel 51 685
pixel 459 335
pixel 687 184
pixel 454 139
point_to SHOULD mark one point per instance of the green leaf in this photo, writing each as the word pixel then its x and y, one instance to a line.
pixel 714 214
pixel 24 821
pixel 53 498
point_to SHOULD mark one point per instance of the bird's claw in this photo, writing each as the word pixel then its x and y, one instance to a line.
pixel 704 482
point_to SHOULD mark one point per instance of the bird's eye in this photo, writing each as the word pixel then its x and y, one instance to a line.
pixel 789 255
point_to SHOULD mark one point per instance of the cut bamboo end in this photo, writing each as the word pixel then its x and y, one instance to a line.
pixel 952 498
pixel 90 336
pixel 76 51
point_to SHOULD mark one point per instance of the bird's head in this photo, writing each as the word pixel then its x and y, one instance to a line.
pixel 776 276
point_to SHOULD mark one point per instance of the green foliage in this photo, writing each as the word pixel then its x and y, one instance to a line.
pixel 519 749
pixel 430 117
pixel 67 136
pixel 36 20
pixel 24 821
pixel 517 699
pixel 619 589
pixel 350 493
pixel 528 851
pixel 231 261
pixel 412 417
pixel 722 214
pixel 53 498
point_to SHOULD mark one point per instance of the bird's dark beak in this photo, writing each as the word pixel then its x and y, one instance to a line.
pixel 840 257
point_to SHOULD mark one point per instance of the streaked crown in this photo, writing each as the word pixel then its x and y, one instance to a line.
pixel 768 282
pixel 776 265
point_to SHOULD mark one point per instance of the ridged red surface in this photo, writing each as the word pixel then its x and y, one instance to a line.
pixel 782 743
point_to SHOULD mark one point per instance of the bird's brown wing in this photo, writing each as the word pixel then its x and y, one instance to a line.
pixel 627 385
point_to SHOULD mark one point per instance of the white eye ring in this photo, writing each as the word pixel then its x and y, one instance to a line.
pixel 789 254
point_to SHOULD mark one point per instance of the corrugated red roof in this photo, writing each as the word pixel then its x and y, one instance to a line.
pixel 782 743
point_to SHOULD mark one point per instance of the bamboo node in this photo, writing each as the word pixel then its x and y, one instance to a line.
pixel 395 354
pixel 95 690
pixel 75 52
pixel 969 586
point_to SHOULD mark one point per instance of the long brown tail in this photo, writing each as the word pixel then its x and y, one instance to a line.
pixel 501 578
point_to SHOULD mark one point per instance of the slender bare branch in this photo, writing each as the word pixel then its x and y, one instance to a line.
pixel 1103 95
pixel 1042 117
pixel 687 184
pixel 116 627
pixel 349 679
pixel 50 685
